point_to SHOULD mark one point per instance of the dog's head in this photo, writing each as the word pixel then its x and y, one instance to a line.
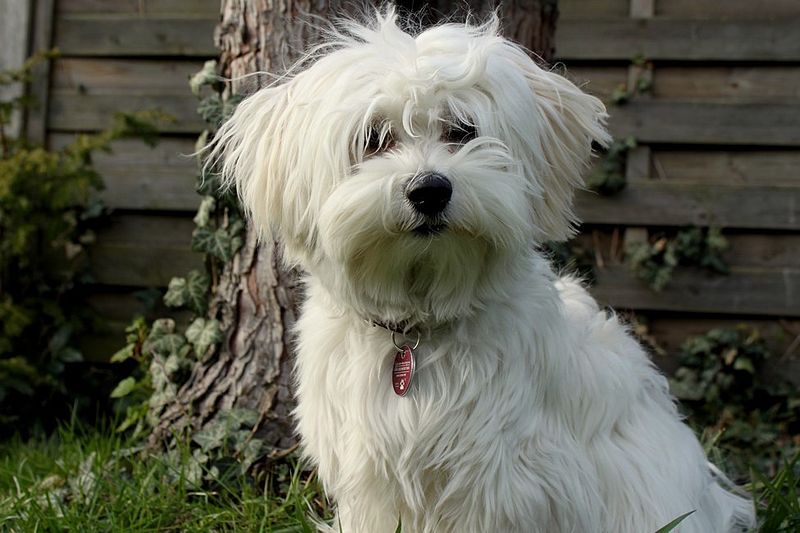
pixel 398 168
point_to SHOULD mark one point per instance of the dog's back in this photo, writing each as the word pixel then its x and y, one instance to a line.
pixel 643 431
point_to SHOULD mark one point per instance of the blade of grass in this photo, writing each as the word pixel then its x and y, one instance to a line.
pixel 672 525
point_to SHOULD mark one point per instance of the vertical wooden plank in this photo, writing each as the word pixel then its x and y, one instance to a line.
pixel 637 165
pixel 637 161
pixel 15 18
pixel 642 9
pixel 39 90
pixel 640 76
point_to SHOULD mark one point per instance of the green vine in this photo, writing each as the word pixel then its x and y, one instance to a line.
pixel 608 176
pixel 641 82
pixel 655 260
pixel 49 208
pixel 721 381
pixel 165 350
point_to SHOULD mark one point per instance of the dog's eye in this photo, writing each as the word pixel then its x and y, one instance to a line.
pixel 460 133
pixel 377 141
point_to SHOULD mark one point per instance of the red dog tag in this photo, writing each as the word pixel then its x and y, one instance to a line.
pixel 403 370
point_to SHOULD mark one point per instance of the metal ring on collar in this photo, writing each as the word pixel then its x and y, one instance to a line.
pixel 394 341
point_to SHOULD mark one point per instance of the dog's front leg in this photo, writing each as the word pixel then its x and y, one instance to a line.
pixel 372 515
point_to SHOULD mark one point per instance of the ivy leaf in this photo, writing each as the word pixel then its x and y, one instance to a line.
pixel 252 451
pixel 61 337
pixel 123 355
pixel 134 414
pixel 70 355
pixel 211 109
pixel 203 334
pixel 162 326
pixel 204 212
pixel 176 293
pixel 206 76
pixel 124 388
pixel 18 375
pixel 242 416
pixel 163 341
pixel 167 344
pixel 686 386
pixel 620 95
pixel 212 436
pixel 222 243
pixel 191 291
pixel 158 400
pixel 744 364
pixel 208 182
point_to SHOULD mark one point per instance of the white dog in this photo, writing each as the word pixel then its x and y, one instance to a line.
pixel 412 178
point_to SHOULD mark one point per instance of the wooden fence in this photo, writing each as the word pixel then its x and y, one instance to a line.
pixel 718 133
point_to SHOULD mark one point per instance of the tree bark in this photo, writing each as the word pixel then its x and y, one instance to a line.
pixel 256 297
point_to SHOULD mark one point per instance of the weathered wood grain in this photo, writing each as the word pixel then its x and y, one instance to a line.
pixel 144 178
pixel 87 92
pixel 697 83
pixel 592 9
pixel 143 251
pixel 642 9
pixel 728 84
pixel 618 39
pixel 685 40
pixel 663 203
pixel 729 9
pixel 728 167
pixel 135 229
pixel 137 266
pixel 655 121
pixel 764 251
pixel 744 291
pixel 135 36
pixel 75 112
pixel 84 75
pixel 638 164
pixel 599 80
pixel 140 7
pixel 39 88
pixel 14 39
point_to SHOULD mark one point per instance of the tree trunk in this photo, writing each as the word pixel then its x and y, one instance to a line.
pixel 255 297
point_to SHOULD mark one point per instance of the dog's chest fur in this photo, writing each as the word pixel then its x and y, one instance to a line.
pixel 510 424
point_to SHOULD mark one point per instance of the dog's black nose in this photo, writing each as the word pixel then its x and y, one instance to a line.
pixel 429 193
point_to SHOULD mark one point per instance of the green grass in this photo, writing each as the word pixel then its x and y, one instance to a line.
pixel 95 480
pixel 92 480
pixel 780 498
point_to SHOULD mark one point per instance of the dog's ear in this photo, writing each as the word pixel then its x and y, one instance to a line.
pixel 258 151
pixel 568 121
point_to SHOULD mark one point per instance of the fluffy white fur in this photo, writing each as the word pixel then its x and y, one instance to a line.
pixel 532 410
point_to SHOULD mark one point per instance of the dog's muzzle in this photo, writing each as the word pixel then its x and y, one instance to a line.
pixel 429 193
